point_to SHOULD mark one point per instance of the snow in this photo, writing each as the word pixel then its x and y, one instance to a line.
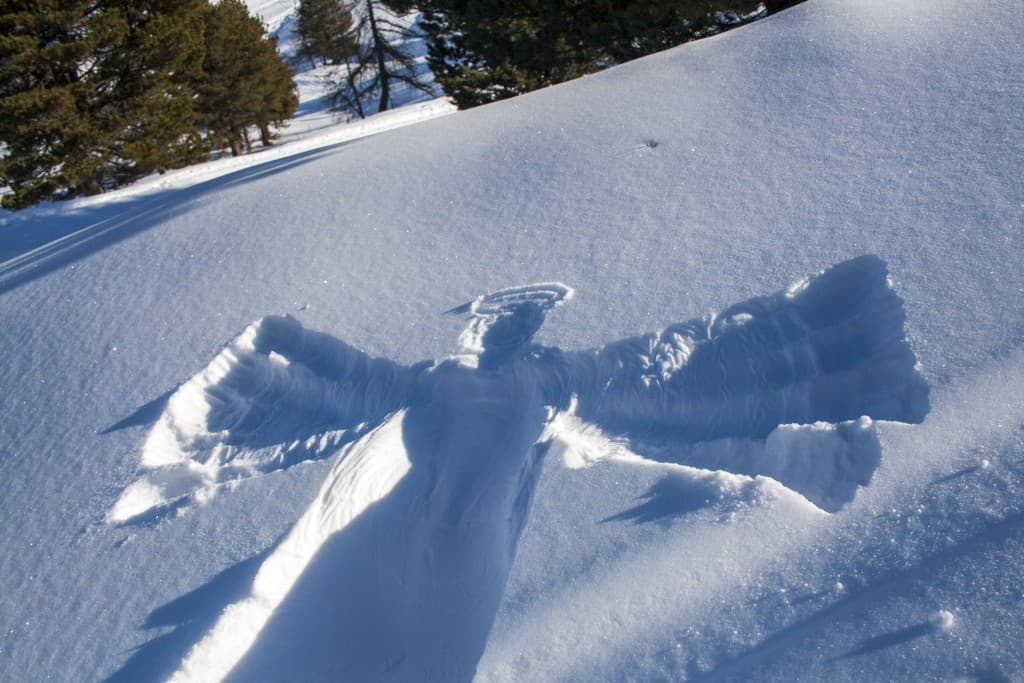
pixel 277 395
pixel 171 467
pixel 361 479
pixel 424 512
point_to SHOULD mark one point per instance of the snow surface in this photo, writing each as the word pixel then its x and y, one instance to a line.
pixel 424 512
pixel 855 131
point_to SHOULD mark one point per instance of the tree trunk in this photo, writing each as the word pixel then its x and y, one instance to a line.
pixel 378 51
pixel 93 186
pixel 265 136
pixel 236 144
pixel 357 97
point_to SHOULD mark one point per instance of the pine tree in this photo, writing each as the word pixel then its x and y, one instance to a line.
pixel 243 82
pixel 327 31
pixel 94 94
pixel 42 45
pixel 278 95
pixel 149 109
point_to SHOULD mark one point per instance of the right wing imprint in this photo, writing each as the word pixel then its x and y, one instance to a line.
pixel 830 348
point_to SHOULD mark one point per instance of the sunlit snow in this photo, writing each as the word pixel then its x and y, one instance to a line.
pixel 239 435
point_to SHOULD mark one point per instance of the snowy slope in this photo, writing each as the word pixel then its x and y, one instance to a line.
pixel 661 191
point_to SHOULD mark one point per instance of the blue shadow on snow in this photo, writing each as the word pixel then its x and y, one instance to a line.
pixel 60 240
pixel 189 616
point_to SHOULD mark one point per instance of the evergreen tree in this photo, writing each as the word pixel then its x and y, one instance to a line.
pixel 149 107
pixel 327 31
pixel 278 95
pixel 94 94
pixel 485 50
pixel 243 82
pixel 381 64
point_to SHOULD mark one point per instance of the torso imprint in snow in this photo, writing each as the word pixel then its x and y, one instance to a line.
pixel 397 568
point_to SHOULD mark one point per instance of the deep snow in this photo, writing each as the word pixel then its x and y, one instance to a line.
pixel 828 132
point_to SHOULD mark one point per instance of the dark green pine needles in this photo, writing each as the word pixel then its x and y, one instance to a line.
pixel 95 94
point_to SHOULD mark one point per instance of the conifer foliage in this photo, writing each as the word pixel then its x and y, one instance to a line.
pixel 327 31
pixel 96 93
pixel 243 82
pixel 485 50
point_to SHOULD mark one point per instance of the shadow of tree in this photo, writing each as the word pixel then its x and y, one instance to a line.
pixel 877 590
pixel 70 236
pixel 891 639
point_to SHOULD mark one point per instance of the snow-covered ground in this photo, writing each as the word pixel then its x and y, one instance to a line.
pixel 238 431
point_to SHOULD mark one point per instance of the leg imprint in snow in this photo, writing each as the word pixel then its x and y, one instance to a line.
pixel 396 570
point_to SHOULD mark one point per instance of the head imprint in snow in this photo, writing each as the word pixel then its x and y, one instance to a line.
pixel 507 319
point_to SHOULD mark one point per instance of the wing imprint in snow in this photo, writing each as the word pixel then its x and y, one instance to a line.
pixel 277 395
pixel 777 385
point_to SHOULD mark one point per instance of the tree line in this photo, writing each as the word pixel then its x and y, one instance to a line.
pixel 487 50
pixel 97 93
